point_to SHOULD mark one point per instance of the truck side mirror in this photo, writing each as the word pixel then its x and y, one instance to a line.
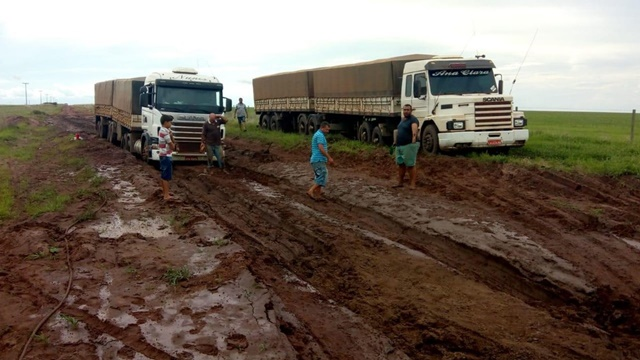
pixel 144 100
pixel 227 105
pixel 500 86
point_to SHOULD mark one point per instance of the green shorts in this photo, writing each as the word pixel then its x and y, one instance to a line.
pixel 406 154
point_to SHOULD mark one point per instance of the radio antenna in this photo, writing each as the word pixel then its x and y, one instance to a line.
pixel 470 38
pixel 525 57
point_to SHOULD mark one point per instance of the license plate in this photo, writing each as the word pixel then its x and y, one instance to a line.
pixel 494 142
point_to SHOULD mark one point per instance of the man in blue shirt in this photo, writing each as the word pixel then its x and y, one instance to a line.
pixel 407 147
pixel 319 159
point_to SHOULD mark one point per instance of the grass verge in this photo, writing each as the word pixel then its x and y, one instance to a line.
pixel 586 142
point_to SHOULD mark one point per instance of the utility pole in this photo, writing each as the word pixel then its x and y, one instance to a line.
pixel 26 99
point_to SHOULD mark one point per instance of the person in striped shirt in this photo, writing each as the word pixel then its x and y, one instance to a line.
pixel 166 145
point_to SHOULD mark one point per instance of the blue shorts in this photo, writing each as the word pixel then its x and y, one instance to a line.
pixel 166 169
pixel 241 119
pixel 320 172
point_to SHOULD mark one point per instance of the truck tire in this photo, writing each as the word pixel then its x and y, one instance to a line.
pixel 301 124
pixel 376 136
pixel 146 149
pixel 312 124
pixel 274 123
pixel 102 128
pixel 429 140
pixel 124 143
pixel 364 132
pixel 264 121
pixel 112 135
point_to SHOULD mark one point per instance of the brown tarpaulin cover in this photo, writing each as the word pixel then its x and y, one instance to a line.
pixel 126 94
pixel 382 77
pixel 104 93
pixel 284 85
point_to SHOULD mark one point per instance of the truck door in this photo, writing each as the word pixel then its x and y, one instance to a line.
pixel 419 98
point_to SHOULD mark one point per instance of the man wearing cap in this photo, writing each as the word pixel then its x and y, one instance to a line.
pixel 166 145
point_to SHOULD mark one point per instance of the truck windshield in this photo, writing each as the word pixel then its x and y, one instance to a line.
pixel 462 81
pixel 189 100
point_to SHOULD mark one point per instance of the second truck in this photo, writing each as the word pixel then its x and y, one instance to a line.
pixel 458 102
pixel 128 111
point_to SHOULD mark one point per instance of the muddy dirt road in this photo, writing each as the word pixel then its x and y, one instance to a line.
pixel 480 262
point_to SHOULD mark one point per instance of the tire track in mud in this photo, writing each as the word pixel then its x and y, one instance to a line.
pixel 308 243
pixel 276 244
pixel 607 260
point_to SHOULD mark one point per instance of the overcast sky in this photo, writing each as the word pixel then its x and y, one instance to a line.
pixel 564 54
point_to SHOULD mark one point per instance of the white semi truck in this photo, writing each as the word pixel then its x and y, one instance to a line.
pixel 128 111
pixel 458 102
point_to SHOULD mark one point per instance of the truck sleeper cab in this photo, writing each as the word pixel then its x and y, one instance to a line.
pixel 189 98
pixel 460 106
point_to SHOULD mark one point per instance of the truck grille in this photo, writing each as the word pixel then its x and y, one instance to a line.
pixel 493 114
pixel 188 134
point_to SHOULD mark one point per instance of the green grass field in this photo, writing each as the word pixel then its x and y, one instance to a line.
pixel 594 143
pixel 24 145
pixel 587 142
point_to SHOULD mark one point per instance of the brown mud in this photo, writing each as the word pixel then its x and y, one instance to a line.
pixel 482 261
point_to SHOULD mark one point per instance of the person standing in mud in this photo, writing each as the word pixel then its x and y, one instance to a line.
pixel 166 145
pixel 240 112
pixel 319 159
pixel 212 138
pixel 407 147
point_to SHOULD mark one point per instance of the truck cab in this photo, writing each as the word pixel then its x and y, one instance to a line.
pixel 460 105
pixel 189 97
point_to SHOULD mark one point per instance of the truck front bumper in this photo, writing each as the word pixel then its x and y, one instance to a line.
pixel 183 156
pixel 483 139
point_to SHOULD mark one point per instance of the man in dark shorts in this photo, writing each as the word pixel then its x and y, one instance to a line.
pixel 241 113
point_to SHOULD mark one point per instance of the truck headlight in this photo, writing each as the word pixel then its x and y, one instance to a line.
pixel 519 122
pixel 455 125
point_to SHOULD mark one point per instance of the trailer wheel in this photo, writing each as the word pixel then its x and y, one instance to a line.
pixel 112 135
pixel 364 132
pixel 301 123
pixel 274 123
pixel 124 143
pixel 264 121
pixel 102 128
pixel 311 124
pixel 376 136
pixel 429 140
